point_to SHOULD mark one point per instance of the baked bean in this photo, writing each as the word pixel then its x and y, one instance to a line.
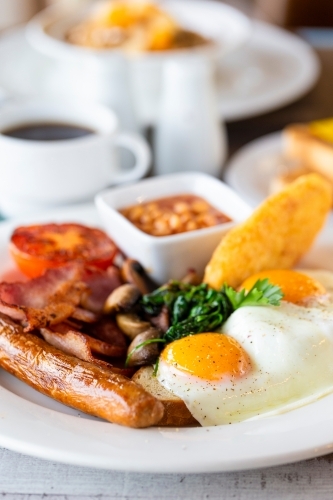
pixel 200 206
pixel 191 226
pixel 175 222
pixel 185 217
pixel 136 212
pixel 180 207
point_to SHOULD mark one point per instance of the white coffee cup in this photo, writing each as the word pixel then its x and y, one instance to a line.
pixel 35 175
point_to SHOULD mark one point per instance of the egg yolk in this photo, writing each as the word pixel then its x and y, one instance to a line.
pixel 209 356
pixel 296 287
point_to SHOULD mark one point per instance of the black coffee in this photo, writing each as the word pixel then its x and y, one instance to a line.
pixel 47 132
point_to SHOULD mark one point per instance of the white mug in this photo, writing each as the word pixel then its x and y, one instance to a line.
pixel 35 175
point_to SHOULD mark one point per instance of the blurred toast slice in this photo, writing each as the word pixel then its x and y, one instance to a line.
pixel 306 148
pixel 311 145
pixel 285 177
pixel 176 413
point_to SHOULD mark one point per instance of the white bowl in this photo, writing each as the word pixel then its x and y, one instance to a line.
pixel 228 28
pixel 224 25
pixel 170 257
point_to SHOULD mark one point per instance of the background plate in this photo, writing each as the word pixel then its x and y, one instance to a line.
pixel 274 69
pixel 34 424
pixel 252 168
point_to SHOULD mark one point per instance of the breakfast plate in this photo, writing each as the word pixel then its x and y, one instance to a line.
pixel 251 169
pixel 273 69
pixel 33 424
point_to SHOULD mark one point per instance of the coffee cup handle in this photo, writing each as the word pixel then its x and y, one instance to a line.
pixel 141 151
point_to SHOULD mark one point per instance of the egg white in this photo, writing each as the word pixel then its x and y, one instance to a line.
pixel 291 353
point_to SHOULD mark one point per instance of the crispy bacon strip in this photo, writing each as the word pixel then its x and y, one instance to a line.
pixel 106 329
pixel 99 347
pixel 80 344
pixel 83 346
pixel 80 314
pixel 58 294
pixel 100 284
pixel 46 300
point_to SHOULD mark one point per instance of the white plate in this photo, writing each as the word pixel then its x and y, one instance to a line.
pixel 36 425
pixel 252 168
pixel 274 69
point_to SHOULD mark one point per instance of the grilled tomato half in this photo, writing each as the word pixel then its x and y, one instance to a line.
pixel 40 247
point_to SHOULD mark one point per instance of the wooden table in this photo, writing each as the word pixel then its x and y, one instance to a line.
pixel 25 478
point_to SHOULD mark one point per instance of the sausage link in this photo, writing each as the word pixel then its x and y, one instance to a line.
pixel 73 382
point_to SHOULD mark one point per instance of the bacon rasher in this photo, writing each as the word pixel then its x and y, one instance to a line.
pixel 46 300
pixel 58 295
pixel 100 284
pixel 81 345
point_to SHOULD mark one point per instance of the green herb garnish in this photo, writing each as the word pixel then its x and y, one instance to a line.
pixel 263 293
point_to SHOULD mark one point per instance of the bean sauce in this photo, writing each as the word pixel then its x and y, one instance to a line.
pixel 174 215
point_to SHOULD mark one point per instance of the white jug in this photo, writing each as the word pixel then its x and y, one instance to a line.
pixel 189 134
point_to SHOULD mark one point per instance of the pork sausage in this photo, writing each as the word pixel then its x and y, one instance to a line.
pixel 79 384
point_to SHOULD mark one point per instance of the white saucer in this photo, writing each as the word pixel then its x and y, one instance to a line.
pixel 274 69
pixel 250 170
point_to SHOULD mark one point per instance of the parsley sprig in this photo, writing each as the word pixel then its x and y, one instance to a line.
pixel 263 293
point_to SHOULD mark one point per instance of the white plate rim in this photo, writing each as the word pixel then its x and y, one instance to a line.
pixel 32 429
pixel 291 90
pixel 243 171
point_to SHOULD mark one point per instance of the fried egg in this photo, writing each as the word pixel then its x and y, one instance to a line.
pixel 264 360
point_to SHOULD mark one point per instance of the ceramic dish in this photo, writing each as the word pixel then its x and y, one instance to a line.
pixel 167 257
pixel 225 26
pixel 33 424
pixel 273 69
